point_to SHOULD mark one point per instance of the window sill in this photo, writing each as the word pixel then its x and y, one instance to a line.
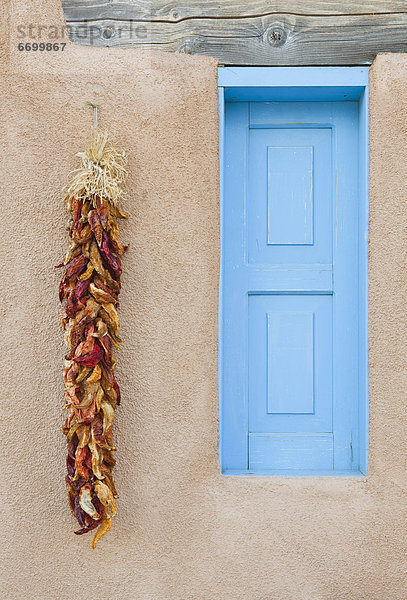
pixel 287 473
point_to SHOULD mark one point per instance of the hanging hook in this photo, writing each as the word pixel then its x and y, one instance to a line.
pixel 95 117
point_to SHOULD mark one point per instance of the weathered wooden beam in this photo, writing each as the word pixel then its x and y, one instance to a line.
pixel 173 10
pixel 256 32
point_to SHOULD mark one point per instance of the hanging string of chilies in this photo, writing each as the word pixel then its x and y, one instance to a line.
pixel 90 289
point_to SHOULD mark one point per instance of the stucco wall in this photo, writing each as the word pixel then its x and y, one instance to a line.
pixel 183 531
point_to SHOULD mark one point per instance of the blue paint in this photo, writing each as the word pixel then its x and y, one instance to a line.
pixel 293 297
pixel 363 280
pixel 291 452
pixel 290 365
pixel 276 197
pixel 221 107
pixel 292 93
pixel 293 83
pixel 290 215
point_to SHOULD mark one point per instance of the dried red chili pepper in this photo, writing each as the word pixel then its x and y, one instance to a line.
pixel 77 212
pixel 96 226
pixel 81 287
pixel 72 305
pixel 106 344
pixel 99 283
pixel 103 212
pixel 75 267
pixel 79 512
pixel 117 390
pixel 70 465
pixel 92 359
pixel 97 432
pixel 93 525
pixel 113 262
pixel 80 457
pixel 72 445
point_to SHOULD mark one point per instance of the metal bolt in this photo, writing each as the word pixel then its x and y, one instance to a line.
pixel 276 36
pixel 108 33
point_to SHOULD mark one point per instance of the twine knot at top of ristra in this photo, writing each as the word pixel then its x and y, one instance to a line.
pixel 101 174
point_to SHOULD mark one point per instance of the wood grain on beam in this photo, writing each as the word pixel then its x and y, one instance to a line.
pixel 256 32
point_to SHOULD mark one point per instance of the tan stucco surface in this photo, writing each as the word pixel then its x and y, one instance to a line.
pixel 183 532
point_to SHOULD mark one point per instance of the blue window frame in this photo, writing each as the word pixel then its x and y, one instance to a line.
pixel 293 375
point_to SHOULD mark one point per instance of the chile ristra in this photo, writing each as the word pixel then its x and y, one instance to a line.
pixel 90 290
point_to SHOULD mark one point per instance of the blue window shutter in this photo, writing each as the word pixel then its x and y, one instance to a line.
pixel 290 288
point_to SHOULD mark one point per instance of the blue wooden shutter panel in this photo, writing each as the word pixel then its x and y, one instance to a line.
pixel 290 288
